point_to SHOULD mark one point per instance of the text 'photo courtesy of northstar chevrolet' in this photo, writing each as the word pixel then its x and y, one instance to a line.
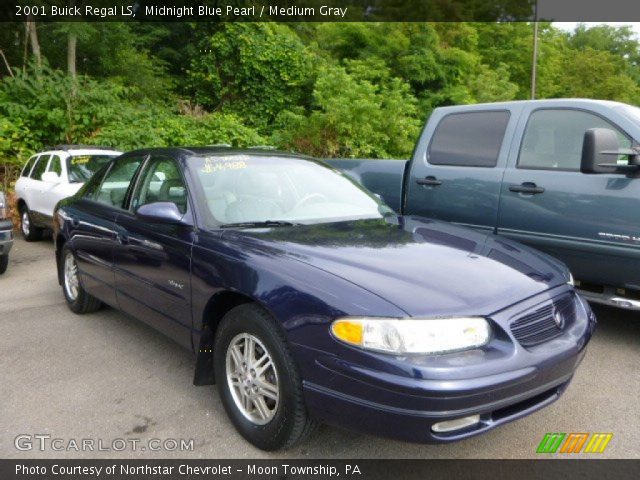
pixel 307 300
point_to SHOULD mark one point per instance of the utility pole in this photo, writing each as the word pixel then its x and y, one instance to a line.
pixel 535 52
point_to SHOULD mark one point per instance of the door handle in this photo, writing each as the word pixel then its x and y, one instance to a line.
pixel 429 181
pixel 122 239
pixel 529 188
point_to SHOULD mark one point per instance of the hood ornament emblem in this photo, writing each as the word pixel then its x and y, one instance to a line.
pixel 558 318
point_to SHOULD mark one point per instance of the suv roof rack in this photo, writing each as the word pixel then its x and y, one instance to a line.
pixel 79 147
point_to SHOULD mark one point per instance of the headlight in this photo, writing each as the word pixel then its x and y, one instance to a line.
pixel 406 336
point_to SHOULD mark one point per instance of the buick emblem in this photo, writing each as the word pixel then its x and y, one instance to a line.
pixel 558 318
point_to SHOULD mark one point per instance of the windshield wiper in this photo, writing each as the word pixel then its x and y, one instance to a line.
pixel 263 223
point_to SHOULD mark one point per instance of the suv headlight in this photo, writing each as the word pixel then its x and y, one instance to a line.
pixel 407 336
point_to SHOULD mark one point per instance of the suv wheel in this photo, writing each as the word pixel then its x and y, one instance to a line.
pixel 258 380
pixel 30 232
pixel 78 299
pixel 4 262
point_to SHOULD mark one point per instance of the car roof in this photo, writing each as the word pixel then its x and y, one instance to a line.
pixel 216 150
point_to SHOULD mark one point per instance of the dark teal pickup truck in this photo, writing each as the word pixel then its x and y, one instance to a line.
pixel 560 175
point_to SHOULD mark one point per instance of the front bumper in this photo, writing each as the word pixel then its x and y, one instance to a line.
pixel 6 236
pixel 500 383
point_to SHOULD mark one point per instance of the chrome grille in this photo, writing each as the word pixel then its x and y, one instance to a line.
pixel 540 325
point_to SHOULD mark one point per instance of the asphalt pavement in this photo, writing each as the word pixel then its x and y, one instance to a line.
pixel 109 379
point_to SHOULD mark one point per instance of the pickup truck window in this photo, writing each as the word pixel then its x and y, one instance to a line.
pixel 469 139
pixel 553 138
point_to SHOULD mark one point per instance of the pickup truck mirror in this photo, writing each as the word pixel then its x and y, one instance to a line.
pixel 160 212
pixel 600 144
pixel 50 177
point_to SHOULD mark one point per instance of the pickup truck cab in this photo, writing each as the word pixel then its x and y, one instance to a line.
pixel 562 176
pixel 51 176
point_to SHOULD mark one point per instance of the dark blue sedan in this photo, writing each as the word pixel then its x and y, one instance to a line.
pixel 307 300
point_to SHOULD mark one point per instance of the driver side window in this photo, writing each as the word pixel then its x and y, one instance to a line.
pixel 161 182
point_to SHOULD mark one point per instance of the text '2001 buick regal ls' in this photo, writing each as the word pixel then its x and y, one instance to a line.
pixel 307 300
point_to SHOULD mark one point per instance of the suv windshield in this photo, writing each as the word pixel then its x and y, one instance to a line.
pixel 82 167
pixel 246 189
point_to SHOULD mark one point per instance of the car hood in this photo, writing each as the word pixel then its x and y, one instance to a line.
pixel 424 267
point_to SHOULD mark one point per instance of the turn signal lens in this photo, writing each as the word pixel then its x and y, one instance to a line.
pixel 348 331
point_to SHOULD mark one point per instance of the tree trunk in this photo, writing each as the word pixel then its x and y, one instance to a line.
pixel 72 41
pixel 33 39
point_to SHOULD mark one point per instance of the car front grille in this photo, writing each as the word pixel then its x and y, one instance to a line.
pixel 540 325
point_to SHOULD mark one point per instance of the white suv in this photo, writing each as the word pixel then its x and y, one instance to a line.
pixel 51 176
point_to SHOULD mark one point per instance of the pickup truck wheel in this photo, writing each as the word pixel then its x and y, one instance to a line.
pixel 30 232
pixel 78 300
pixel 258 381
pixel 4 263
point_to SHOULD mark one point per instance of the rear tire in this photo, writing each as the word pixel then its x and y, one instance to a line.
pixel 30 232
pixel 4 263
pixel 78 300
pixel 277 419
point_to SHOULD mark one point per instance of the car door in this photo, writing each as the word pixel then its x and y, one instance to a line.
pixel 36 187
pixel 457 176
pixel 52 191
pixel 93 219
pixel 153 260
pixel 24 183
pixel 586 220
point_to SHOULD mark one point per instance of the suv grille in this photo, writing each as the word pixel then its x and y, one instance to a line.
pixel 540 325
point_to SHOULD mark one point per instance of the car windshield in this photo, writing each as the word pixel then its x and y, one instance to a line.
pixel 82 167
pixel 248 189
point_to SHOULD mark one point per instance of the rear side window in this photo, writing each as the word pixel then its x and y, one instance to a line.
pixel 40 168
pixel 470 139
pixel 115 185
pixel 553 139
pixel 55 165
pixel 27 168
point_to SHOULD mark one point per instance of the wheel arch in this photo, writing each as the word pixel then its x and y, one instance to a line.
pixel 217 307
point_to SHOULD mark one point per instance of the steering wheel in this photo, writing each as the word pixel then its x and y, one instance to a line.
pixel 306 199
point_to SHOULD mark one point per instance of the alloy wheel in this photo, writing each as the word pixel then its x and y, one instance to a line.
pixel 252 378
pixel 71 283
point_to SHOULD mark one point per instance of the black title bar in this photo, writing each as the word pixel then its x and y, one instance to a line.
pixel 321 10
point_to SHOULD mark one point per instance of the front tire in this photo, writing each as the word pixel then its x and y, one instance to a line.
pixel 78 300
pixel 4 263
pixel 258 381
pixel 30 232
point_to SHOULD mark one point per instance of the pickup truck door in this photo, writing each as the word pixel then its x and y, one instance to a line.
pixel 456 172
pixel 590 221
pixel 153 260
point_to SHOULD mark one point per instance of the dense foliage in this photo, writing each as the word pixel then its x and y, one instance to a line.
pixel 335 89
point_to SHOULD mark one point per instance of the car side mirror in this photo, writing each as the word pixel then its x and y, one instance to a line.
pixel 50 177
pixel 160 212
pixel 598 148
